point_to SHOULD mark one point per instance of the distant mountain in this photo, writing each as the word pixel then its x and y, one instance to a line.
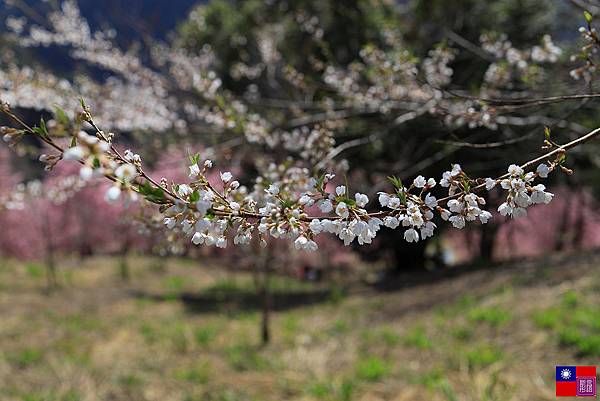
pixel 129 17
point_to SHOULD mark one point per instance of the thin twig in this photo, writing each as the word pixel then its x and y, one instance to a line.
pixel 250 215
pixel 472 47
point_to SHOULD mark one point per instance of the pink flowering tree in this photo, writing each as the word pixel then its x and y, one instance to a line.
pixel 61 215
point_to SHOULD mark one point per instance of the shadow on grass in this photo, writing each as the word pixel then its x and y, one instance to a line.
pixel 242 300
pixel 531 270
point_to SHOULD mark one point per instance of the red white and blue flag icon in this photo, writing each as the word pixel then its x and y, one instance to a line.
pixel 575 381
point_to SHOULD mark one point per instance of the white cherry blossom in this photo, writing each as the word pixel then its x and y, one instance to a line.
pixel 226 176
pixel 543 170
pixel 342 210
pixel 361 199
pixel 326 206
pixel 194 171
pixel 411 235
pixel 419 182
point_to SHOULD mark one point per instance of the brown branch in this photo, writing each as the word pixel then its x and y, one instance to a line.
pixel 250 215
pixel 472 47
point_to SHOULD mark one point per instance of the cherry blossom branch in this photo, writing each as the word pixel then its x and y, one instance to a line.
pixel 528 101
pixel 119 157
pixel 200 211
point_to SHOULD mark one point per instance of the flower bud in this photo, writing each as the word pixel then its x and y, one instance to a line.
pixel 565 170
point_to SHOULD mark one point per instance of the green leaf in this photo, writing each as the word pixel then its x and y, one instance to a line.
pixel 156 198
pixel 288 204
pixel 195 196
pixel 588 16
pixel 466 185
pixel 345 199
pixel 43 126
pixel 41 131
pixel 320 181
pixel 44 129
pixel 145 188
pixel 195 158
pixel 73 142
pixel 61 116
pixel 38 131
pixel 152 194
pixel 220 101
pixel 547 133
pixel 397 182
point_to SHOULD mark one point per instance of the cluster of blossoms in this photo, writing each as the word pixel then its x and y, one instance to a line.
pixel 135 96
pixel 510 66
pixel 521 191
pixel 309 24
pixel 58 192
pixel 464 206
pixel 471 113
pixel 16 198
pixel 383 81
pixel 587 53
pixel 411 211
pixel 312 144
pixel 501 48
pixel 436 66
pixel 205 214
pixel 125 174
pixel 174 89
pixel 98 158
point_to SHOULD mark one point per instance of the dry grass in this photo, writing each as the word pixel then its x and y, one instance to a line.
pixel 492 334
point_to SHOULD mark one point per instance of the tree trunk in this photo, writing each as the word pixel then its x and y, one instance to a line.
pixel 560 241
pixel 51 279
pixel 579 226
pixel 123 262
pixel 409 257
pixel 488 240
pixel 263 277
pixel 124 267
pixel 265 329
pixel 84 247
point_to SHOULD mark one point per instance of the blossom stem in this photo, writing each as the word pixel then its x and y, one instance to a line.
pixel 563 148
pixel 251 215
pixel 122 159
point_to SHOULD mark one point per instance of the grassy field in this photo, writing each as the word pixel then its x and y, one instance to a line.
pixel 186 332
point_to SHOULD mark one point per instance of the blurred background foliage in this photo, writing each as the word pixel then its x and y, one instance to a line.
pixel 234 29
